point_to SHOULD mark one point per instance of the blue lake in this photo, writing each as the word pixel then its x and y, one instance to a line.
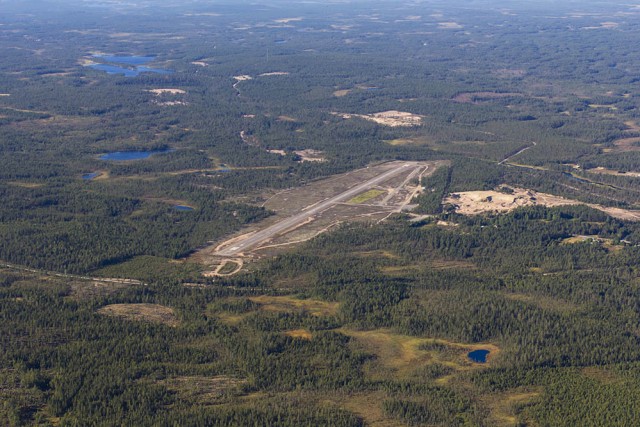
pixel 183 208
pixel 129 66
pixel 90 176
pixel 131 155
pixel 479 356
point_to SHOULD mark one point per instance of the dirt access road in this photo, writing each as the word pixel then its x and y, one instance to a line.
pixel 251 241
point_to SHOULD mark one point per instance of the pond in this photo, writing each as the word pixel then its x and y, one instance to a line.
pixel 132 155
pixel 183 208
pixel 129 66
pixel 478 356
pixel 90 176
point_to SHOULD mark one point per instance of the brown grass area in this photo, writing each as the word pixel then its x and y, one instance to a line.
pixel 341 93
pixel 23 184
pixel 504 407
pixel 399 356
pixel 369 407
pixel 409 141
pixel 142 312
pixel 381 253
pixel 300 333
pixel 287 119
pixel 291 304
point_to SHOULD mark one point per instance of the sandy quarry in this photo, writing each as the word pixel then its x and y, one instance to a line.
pixel 391 118
pixel 478 202
pixel 310 155
pixel 171 91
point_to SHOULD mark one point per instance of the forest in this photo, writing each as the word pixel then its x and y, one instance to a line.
pixel 112 181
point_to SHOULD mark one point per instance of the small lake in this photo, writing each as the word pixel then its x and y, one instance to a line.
pixel 183 208
pixel 478 356
pixel 129 66
pixel 90 176
pixel 131 155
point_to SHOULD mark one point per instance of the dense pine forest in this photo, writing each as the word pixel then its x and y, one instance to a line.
pixel 134 135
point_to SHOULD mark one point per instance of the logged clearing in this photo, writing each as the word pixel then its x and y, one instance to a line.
pixel 449 26
pixel 605 171
pixel 170 91
pixel 154 313
pixel 366 196
pixel 275 73
pixel 626 144
pixel 480 97
pixel 479 202
pixel 291 304
pixel 391 118
pixel 204 390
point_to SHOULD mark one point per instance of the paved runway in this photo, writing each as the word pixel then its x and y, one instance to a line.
pixel 255 240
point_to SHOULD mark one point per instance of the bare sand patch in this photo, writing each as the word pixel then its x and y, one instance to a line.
pixel 479 202
pixel 391 118
pixel 200 63
pixel 287 20
pixel 170 91
pixel 310 155
pixel 603 25
pixel 275 73
pixel 449 26
pixel 154 313
pixel 243 77
pixel 5 94
pixel 287 119
pixel 171 103
pixel 202 14
pixel 341 92
pixel 279 152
